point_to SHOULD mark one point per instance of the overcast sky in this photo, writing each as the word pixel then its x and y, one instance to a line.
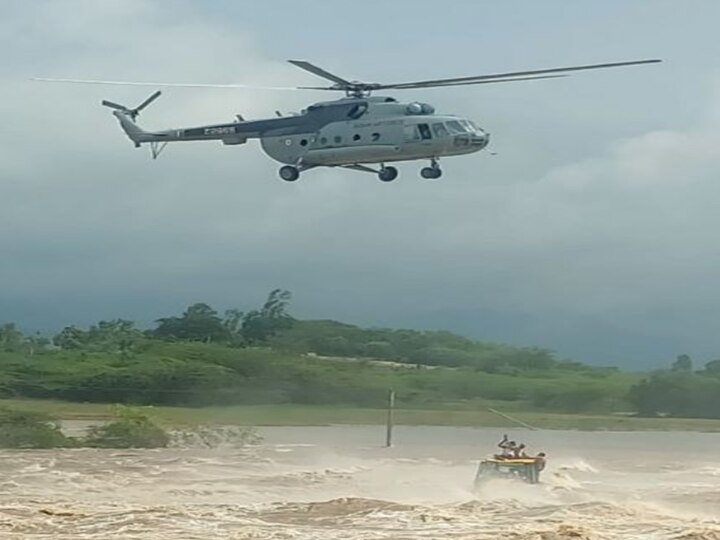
pixel 592 232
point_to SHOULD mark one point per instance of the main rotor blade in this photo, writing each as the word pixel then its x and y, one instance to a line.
pixel 320 72
pixel 478 78
pixel 513 79
pixel 176 85
pixel 460 83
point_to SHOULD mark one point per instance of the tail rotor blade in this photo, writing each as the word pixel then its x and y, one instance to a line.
pixel 148 101
pixel 114 105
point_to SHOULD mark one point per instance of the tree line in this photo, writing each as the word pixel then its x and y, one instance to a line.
pixel 199 322
pixel 265 355
pixel 271 325
pixel 679 391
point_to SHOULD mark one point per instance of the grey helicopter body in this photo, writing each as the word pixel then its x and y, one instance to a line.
pixel 360 131
pixel 350 132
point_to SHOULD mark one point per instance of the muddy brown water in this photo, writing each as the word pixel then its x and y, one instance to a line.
pixel 339 482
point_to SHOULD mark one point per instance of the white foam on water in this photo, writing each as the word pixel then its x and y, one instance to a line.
pixel 326 490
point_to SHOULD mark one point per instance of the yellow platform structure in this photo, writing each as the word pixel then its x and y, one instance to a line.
pixel 526 469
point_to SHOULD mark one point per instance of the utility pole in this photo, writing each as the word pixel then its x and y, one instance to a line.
pixel 391 406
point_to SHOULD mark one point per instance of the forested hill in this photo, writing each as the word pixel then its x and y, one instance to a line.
pixel 265 355
pixel 431 348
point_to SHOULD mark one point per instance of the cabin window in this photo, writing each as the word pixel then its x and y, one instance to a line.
pixel 338 139
pixel 303 142
pixel 356 137
pixel 375 137
pixel 440 130
pixel 323 140
pixel 411 133
pixel 424 132
pixel 288 142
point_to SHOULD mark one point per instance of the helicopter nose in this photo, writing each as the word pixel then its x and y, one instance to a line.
pixel 481 139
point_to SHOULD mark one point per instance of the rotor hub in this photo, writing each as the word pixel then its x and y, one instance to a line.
pixel 357 89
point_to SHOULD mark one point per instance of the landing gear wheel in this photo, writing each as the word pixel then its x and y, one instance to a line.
pixel 388 174
pixel 289 173
pixel 432 173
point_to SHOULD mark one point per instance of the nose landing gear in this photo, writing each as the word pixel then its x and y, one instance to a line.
pixel 433 172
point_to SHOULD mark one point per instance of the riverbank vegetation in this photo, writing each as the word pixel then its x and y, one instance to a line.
pixel 37 425
pixel 33 430
pixel 265 357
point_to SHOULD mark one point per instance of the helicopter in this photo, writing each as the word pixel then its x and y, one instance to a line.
pixel 359 131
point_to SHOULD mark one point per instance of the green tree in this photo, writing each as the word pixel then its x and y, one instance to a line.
pixel 118 335
pixel 71 337
pixel 683 364
pixel 36 343
pixel 11 339
pixel 200 322
pixel 712 368
pixel 678 394
pixel 260 325
pixel 233 324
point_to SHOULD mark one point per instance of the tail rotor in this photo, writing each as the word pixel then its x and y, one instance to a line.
pixel 132 113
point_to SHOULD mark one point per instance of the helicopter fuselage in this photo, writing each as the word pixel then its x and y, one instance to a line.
pixel 385 131
pixel 349 132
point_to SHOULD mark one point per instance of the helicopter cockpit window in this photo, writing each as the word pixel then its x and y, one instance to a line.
pixel 424 131
pixel 455 127
pixel 356 111
pixel 468 126
pixel 439 130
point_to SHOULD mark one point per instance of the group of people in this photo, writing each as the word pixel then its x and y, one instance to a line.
pixel 512 450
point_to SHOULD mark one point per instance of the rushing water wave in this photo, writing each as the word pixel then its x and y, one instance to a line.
pixel 339 483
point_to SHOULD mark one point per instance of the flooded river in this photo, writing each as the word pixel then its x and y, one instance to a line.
pixel 340 483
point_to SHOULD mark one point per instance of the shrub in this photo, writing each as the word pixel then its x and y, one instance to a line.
pixel 20 429
pixel 132 429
